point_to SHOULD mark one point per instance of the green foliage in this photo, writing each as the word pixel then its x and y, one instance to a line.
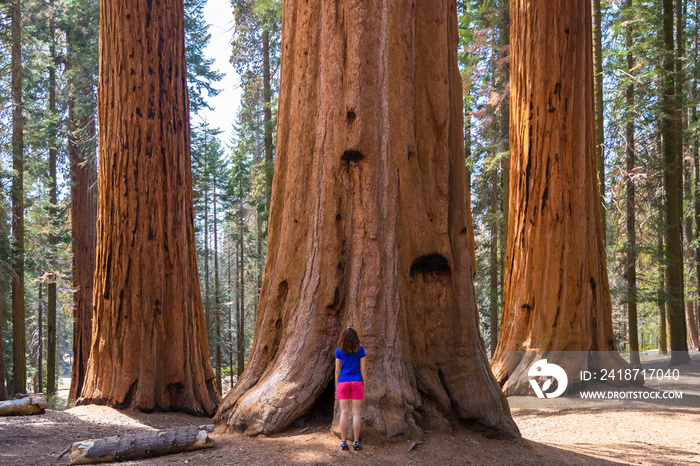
pixel 200 75
pixel 483 63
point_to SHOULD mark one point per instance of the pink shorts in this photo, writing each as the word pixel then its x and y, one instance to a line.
pixel 350 391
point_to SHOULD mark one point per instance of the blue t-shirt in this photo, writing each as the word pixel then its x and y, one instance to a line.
pixel 350 365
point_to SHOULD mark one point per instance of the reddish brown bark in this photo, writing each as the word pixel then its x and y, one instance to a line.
pixel 81 148
pixel 19 359
pixel 556 295
pixel 149 340
pixel 369 227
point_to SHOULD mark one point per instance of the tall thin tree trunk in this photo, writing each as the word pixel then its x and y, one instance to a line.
pixel 672 152
pixel 493 260
pixel 663 329
pixel 557 295
pixel 469 164
pixel 3 392
pixel 207 309
pixel 83 167
pixel 217 296
pixel 53 199
pixel 40 351
pixel 599 118
pixel 267 114
pixel 696 152
pixel 19 358
pixel 231 297
pixel 149 348
pixel 369 201
pixel 631 271
pixel 505 136
pixel 259 260
pixel 240 337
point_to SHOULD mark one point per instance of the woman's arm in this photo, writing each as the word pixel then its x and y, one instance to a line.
pixel 338 365
pixel 362 370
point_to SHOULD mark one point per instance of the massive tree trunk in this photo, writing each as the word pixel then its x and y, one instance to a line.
pixel 81 149
pixel 631 269
pixel 599 118
pixel 671 149
pixel 53 199
pixel 368 226
pixel 556 285
pixel 19 359
pixel 149 343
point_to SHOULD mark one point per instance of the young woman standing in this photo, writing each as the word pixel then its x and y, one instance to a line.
pixel 349 383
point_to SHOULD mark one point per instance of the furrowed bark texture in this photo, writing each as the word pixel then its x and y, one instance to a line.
pixel 368 226
pixel 149 341
pixel 556 290
pixel 83 222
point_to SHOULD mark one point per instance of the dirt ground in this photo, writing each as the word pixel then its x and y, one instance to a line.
pixel 576 436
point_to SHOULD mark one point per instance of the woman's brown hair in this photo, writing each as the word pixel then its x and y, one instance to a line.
pixel 349 342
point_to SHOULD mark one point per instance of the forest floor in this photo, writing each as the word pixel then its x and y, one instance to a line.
pixel 636 434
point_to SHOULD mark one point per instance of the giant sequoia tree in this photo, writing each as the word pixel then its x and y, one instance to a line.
pixel 149 340
pixel 556 293
pixel 368 225
pixel 83 165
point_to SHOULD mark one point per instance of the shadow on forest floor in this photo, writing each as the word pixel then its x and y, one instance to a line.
pixel 568 437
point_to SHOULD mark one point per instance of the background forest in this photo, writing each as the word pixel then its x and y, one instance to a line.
pixel 48 79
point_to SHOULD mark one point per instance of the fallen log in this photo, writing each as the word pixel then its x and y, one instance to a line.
pixel 144 445
pixel 24 406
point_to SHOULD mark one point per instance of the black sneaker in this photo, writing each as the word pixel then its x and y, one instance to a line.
pixel 356 446
pixel 343 445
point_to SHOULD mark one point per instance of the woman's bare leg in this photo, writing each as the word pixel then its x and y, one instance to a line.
pixel 356 421
pixel 344 408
